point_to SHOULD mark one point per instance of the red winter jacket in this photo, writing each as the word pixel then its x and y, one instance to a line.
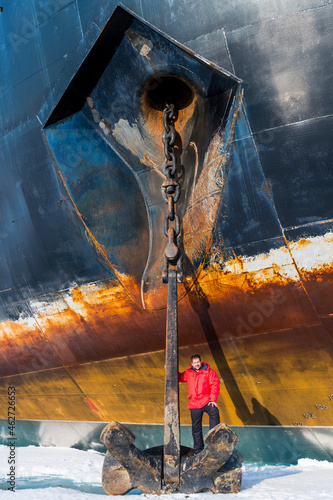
pixel 203 386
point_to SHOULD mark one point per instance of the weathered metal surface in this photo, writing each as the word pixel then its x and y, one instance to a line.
pixel 171 451
pixel 279 360
pixel 131 135
pixel 71 309
pixel 218 468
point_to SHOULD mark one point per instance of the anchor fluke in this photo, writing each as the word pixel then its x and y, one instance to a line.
pixel 205 470
pixel 125 466
pixel 218 468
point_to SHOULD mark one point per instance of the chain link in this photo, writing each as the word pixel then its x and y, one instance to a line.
pixel 171 194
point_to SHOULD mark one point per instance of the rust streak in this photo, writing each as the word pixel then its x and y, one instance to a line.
pixel 100 248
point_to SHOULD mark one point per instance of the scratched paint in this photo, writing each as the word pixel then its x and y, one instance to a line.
pixel 112 300
pixel 142 44
pixel 132 128
pixel 200 215
pixel 313 253
pixel 112 386
pixel 131 138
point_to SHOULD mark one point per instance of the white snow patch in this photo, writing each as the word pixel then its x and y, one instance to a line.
pixel 76 469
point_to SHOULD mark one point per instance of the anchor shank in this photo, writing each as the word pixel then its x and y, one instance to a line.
pixel 171 466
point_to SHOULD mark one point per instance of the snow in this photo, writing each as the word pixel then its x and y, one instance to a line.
pixel 51 473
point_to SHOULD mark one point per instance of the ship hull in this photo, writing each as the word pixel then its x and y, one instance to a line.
pixel 83 306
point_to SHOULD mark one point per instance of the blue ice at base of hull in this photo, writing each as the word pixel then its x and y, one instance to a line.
pixel 260 444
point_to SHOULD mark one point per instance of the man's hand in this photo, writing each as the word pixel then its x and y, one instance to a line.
pixel 212 403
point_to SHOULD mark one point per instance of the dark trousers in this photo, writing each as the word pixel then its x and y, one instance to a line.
pixel 196 416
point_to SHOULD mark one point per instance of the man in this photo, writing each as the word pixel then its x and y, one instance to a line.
pixel 203 390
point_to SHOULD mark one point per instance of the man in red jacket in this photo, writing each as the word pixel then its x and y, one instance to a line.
pixel 203 391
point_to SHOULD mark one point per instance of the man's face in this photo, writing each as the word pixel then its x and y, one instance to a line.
pixel 196 363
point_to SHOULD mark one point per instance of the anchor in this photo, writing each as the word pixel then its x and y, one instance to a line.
pixel 171 468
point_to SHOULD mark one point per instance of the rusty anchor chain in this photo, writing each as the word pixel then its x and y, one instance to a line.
pixel 171 193
pixel 171 467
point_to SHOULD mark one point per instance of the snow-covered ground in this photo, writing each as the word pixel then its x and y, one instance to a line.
pixel 45 473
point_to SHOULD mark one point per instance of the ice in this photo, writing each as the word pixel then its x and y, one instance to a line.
pixel 52 473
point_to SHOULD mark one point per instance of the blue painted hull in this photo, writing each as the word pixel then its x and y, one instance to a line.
pixel 81 240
